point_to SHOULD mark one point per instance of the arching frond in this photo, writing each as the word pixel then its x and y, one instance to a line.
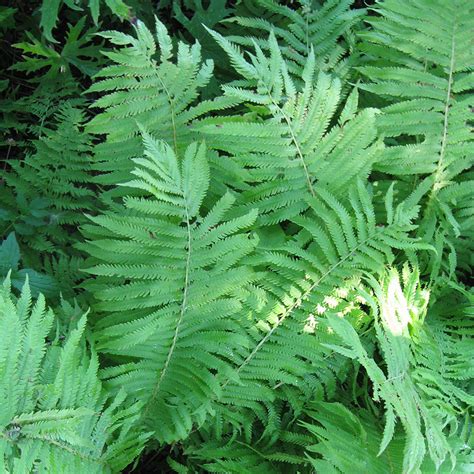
pixel 170 285
pixel 303 280
pixel 283 156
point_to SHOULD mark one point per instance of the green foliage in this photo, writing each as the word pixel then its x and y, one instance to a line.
pixel 48 192
pixel 50 12
pixel 37 55
pixel 10 265
pixel 348 441
pixel 285 142
pixel 136 90
pixel 426 366
pixel 265 209
pixel 55 416
pixel 419 59
pixel 178 285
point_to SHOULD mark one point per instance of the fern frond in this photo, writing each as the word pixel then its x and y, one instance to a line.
pixel 282 157
pixel 325 29
pixel 57 176
pixel 138 89
pixel 302 279
pixel 171 286
pixel 420 57
pixel 55 416
pixel 348 441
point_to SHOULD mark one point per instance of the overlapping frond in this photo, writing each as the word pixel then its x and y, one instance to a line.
pixel 55 416
pixel 419 59
pixel 304 278
pixel 277 160
pixel 348 441
pixel 170 286
pixel 236 455
pixel 48 192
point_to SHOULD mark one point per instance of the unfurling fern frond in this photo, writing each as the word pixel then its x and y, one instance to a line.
pixel 325 29
pixel 420 56
pixel 426 369
pixel 170 285
pixel 55 416
pixel 282 157
pixel 138 89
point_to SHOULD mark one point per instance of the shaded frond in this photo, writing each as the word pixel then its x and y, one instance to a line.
pixel 325 29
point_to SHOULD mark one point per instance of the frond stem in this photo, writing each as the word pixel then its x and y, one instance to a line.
pixel 183 309
pixel 173 120
pixel 295 141
pixel 442 153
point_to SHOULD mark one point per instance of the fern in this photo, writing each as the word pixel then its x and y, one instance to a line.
pixel 281 159
pixel 420 60
pixel 412 389
pixel 347 441
pixel 276 250
pixel 171 285
pixel 55 416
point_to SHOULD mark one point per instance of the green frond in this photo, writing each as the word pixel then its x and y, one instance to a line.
pixel 56 176
pixel 283 156
pixel 348 441
pixel 170 286
pixel 304 278
pixel 55 416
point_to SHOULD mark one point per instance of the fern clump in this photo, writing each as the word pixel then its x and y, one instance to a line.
pixel 55 415
pixel 265 210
